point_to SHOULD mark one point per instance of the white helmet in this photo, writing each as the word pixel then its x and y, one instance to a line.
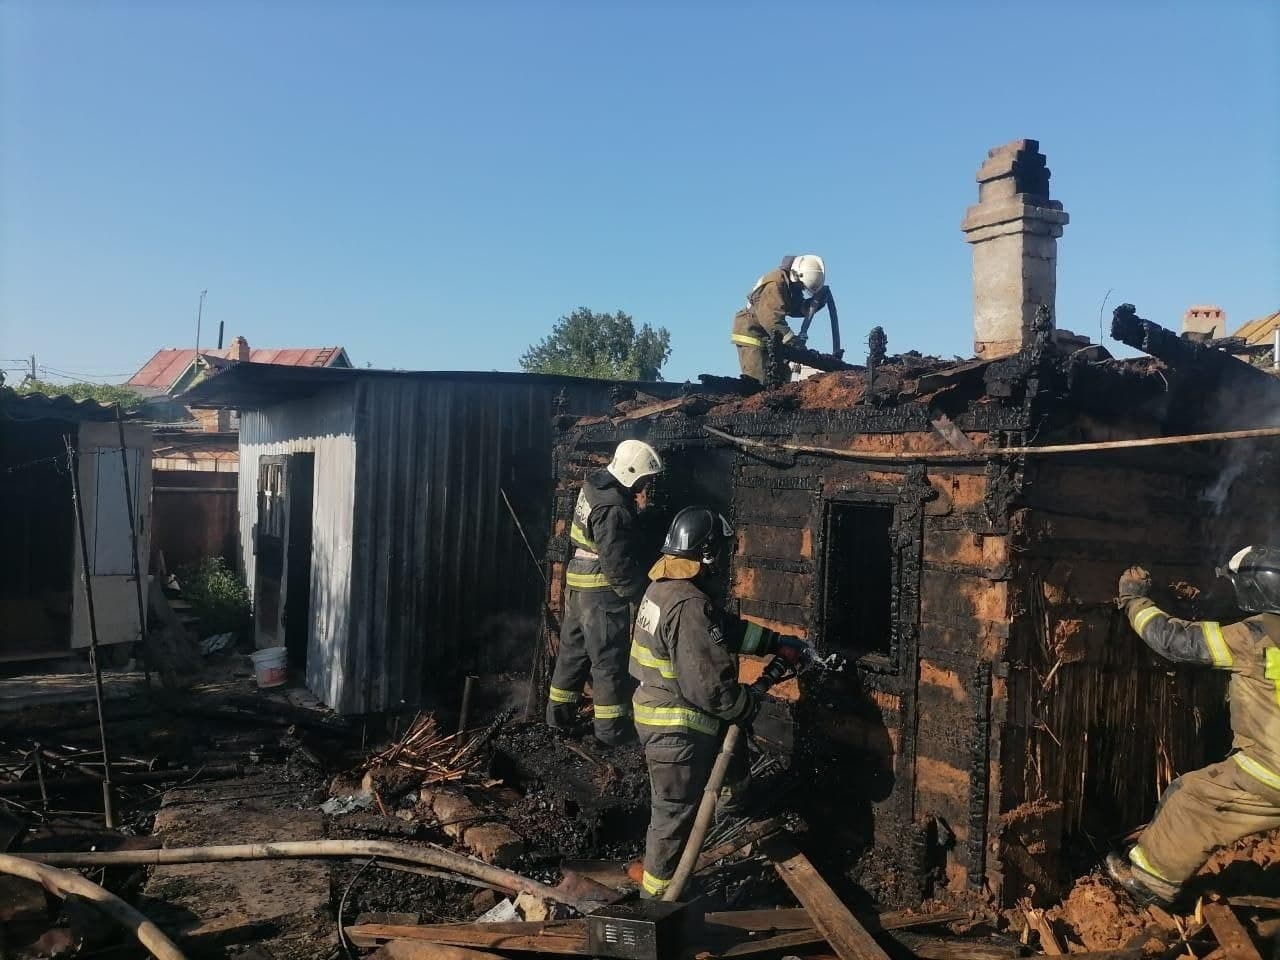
pixel 633 461
pixel 809 270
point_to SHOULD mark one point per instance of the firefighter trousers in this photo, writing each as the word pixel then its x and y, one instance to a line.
pixel 679 766
pixel 1200 811
pixel 595 643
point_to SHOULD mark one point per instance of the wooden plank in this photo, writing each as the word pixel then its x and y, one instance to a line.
pixel 847 937
pixel 1230 932
pixel 808 937
pixel 409 950
pixel 553 938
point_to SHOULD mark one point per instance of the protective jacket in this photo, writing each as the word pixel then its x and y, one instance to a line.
pixel 1249 649
pixel 684 653
pixel 603 531
pixel 774 298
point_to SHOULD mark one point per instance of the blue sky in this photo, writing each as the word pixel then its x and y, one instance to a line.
pixel 432 184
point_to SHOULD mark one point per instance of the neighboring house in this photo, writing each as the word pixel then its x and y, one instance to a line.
pixel 1261 337
pixel 174 369
pixel 375 532
pixel 196 456
pixel 42 603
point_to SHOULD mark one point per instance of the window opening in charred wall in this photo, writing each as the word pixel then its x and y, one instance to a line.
pixel 859 560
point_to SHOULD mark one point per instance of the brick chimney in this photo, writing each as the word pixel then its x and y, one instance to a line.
pixel 239 349
pixel 1206 321
pixel 1014 229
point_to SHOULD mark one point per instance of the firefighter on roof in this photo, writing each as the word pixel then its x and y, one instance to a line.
pixel 604 577
pixel 798 288
pixel 684 653
pixel 1240 795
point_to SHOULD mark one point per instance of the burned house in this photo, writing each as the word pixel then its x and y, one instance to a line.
pixel 376 518
pixel 43 613
pixel 957 530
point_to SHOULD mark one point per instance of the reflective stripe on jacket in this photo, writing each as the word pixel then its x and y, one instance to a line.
pixel 685 656
pixel 1250 650
pixel 603 530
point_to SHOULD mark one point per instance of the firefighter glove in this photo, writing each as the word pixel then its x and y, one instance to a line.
pixel 1134 583
pixel 792 650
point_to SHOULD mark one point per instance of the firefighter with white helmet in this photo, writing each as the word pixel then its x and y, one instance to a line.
pixel 797 288
pixel 606 574
pixel 1240 795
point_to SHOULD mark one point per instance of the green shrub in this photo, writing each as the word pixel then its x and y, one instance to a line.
pixel 217 596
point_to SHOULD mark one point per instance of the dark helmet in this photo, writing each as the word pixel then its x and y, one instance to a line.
pixel 1255 573
pixel 697 533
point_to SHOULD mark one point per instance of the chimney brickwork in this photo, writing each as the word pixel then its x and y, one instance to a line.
pixel 1208 321
pixel 239 349
pixel 1013 229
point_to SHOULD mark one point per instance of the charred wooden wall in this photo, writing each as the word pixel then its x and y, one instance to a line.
pixel 896 749
pixel 1094 725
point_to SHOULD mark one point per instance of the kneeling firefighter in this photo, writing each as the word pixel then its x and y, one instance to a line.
pixel 797 288
pixel 1240 795
pixel 604 577
pixel 684 653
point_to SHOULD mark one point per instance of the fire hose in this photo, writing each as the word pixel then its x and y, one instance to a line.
pixel 63 883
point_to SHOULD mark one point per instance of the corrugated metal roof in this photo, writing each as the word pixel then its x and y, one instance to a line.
pixel 38 406
pixel 1260 330
pixel 164 369
pixel 252 386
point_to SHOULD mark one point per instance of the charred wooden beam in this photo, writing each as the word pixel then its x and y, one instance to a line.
pixel 1188 356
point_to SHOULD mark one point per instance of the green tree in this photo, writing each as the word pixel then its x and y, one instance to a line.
pixel 604 345
pixel 101 392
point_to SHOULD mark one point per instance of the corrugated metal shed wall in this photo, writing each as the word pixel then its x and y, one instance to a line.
pixel 323 425
pixel 444 585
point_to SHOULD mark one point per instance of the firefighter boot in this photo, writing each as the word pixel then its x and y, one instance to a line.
pixel 1142 887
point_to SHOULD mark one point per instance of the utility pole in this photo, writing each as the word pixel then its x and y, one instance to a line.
pixel 32 374
pixel 199 317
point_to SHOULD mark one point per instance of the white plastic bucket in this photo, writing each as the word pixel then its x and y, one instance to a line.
pixel 270 667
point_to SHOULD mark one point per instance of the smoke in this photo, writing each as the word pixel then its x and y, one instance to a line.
pixel 1242 506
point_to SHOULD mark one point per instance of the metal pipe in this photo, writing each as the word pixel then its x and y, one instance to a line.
pixel 1275 350
pixel 73 464
pixel 44 792
pixel 464 715
pixel 133 547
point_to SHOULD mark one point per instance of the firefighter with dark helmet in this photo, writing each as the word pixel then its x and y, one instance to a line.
pixel 684 655
pixel 1240 795
pixel 605 575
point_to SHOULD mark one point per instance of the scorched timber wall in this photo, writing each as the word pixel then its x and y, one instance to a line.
pixel 900 746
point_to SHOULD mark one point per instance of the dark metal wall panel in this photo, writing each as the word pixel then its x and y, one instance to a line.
pixel 443 584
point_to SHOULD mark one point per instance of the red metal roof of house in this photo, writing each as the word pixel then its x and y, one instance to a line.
pixel 164 369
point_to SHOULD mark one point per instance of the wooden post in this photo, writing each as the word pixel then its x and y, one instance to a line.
pixel 73 464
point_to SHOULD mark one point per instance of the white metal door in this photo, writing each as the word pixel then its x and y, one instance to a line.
pixel 106 520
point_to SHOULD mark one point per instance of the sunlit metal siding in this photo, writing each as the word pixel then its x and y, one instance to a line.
pixel 323 425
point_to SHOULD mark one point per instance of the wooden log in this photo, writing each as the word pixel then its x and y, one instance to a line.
pixel 1230 932
pixel 847 937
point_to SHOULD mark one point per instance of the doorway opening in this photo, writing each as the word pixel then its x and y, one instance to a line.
pixel 296 618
